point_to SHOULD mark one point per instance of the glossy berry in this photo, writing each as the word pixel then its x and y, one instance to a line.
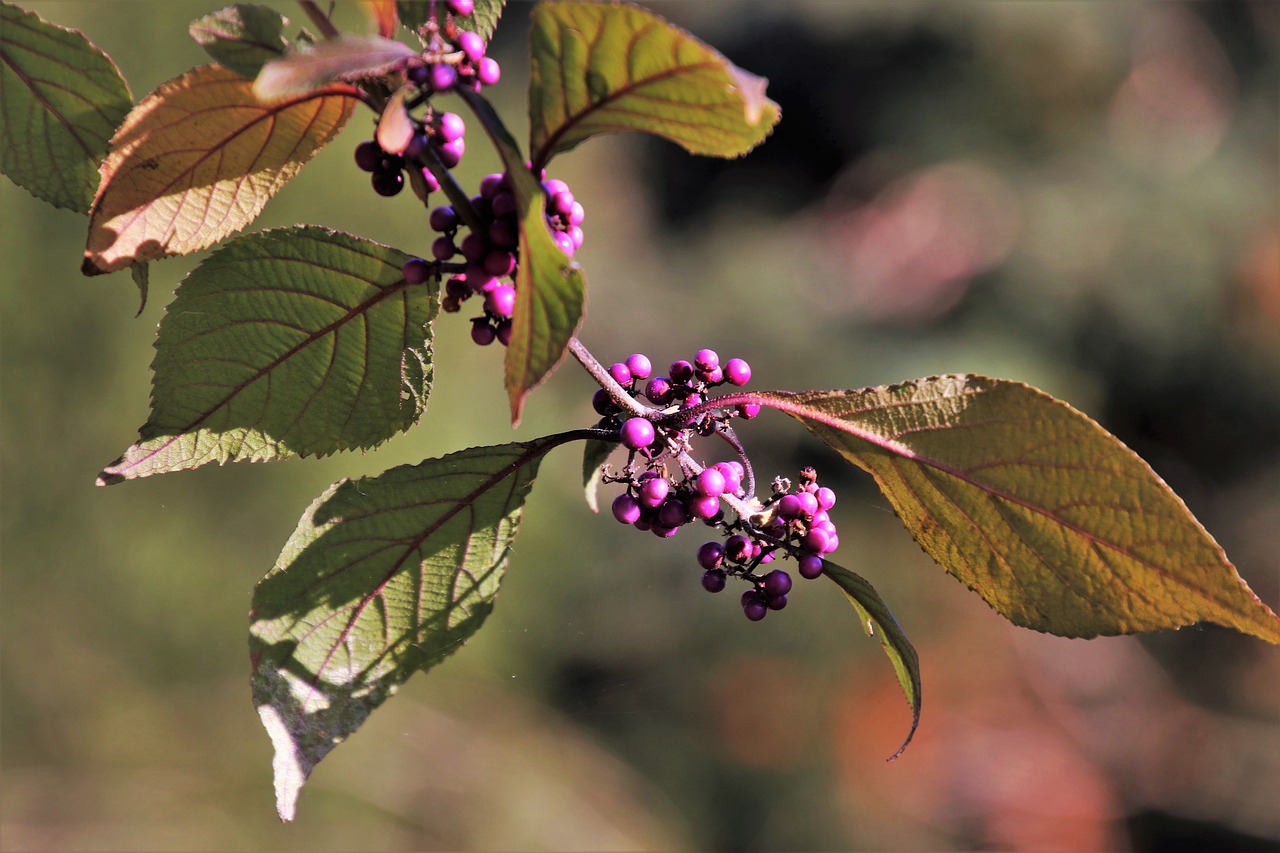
pixel 620 373
pixel 826 498
pixel 808 503
pixel 640 366
pixel 713 580
pixel 451 127
pixel 442 249
pixel 673 513
pixel 658 390
pixel 443 219
pixel 810 567
pixel 737 372
pixel 711 555
pixel 443 77
pixel 416 271
pixel 481 332
pixel 789 507
pixel 387 183
pixel 776 583
pixel 703 507
pixel 747 411
pixel 501 300
pixel 816 541
pixel 653 492
pixel 710 482
pixel 706 359
pixel 625 509
pixel 472 45
pixel 755 609
pixel 487 71
pixel 603 403
pixel 776 602
pixel 637 433
pixel 368 156
pixel 450 153
pixel 681 371
pixel 462 7
pixel 738 548
pixel 504 332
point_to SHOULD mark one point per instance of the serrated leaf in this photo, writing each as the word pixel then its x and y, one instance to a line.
pixel 197 160
pixel 608 68
pixel 297 341
pixel 61 98
pixel 550 289
pixel 877 621
pixel 326 62
pixel 482 20
pixel 384 577
pixel 243 37
pixel 594 454
pixel 1042 512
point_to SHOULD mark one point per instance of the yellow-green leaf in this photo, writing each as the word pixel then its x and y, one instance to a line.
pixel 606 68
pixel 1042 512
pixel 197 160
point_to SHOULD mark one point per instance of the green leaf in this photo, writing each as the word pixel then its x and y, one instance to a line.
pixel 594 454
pixel 60 100
pixel 608 68
pixel 1042 512
pixel 242 37
pixel 550 289
pixel 297 341
pixel 197 160
pixel 341 58
pixel 483 19
pixel 876 619
pixel 385 576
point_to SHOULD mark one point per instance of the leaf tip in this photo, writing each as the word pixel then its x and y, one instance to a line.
pixel 287 770
pixel 90 266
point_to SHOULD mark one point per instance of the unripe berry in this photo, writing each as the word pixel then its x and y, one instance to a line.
pixel 625 509
pixel 737 372
pixel 637 433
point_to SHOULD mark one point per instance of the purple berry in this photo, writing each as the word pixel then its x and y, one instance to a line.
pixel 681 371
pixel 714 376
pixel 639 366
pixel 810 567
pixel 368 156
pixel 777 582
pixel 815 541
pixel 487 71
pixel 620 373
pixel 502 234
pixel 710 483
pixel 673 513
pixel 499 263
pixel 664 532
pixel 504 332
pixel 808 503
pixel 561 203
pixel 457 288
pixel 603 403
pixel 833 543
pixel 473 248
pixel 492 184
pixel 480 281
pixel 776 602
pixel 481 332
pixel 452 127
pixel 738 548
pixel 504 204
pixel 713 580
pixel 737 372
pixel 576 235
pixel 747 411
pixel 703 507
pixel 755 609
pixel 551 186
pixel 826 498
pixel 472 45
pixel 653 492
pixel 501 300
pixel 577 215
pixel 443 219
pixel 732 472
pixel 564 243
pixel 462 7
pixel 625 509
pixel 442 248
pixel 429 180
pixel 416 271
pixel 706 359
pixel 451 152
pixel 388 183
pixel 443 77
pixel 637 433
pixel 658 390
pixel 789 507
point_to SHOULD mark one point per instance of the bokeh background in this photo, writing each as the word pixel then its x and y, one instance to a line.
pixel 1083 196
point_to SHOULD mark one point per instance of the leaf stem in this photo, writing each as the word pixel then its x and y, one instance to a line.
pixel 319 18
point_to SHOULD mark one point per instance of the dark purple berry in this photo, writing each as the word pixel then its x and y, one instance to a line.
pixel 504 332
pixel 503 234
pixel 504 204
pixel 419 75
pixel 417 147
pixel 637 433
pixel 711 555
pixel 664 532
pixel 473 248
pixel 737 372
pixel 492 184
pixel 681 371
pixel 755 609
pixel 442 248
pixel 673 513
pixel 777 582
pixel 416 271
pixel 713 580
pixel 625 509
pixel 658 390
pixel 810 567
pixel 776 602
pixel 603 403
pixel 481 332
pixel 450 153
pixel 387 183
pixel 368 156
pixel 480 281
pixel 738 548
pixel 499 263
pixel 639 366
pixel 443 219
pixel 457 288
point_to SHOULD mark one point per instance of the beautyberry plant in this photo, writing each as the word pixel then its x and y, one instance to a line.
pixel 304 341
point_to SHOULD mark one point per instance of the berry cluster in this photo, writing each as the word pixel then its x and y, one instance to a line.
pixel 491 250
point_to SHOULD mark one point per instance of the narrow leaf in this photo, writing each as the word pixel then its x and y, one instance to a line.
pixel 877 620
pixel 197 160
pixel 141 274
pixel 385 576
pixel 242 37
pixel 395 126
pixel 1042 512
pixel 60 100
pixel 607 68
pixel 550 289
pixel 482 20
pixel 297 341
pixel 594 454
pixel 341 58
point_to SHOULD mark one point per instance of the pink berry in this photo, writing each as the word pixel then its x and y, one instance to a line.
pixel 637 433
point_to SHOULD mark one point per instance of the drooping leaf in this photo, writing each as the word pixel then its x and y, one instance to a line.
pixel 1042 512
pixel 342 58
pixel 607 68
pixel 395 125
pixel 594 454
pixel 197 160
pixel 384 15
pixel 877 620
pixel 60 100
pixel 550 289
pixel 482 20
pixel 242 37
pixel 384 577
pixel 141 274
pixel 296 341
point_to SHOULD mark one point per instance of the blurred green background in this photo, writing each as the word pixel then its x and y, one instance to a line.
pixel 1083 196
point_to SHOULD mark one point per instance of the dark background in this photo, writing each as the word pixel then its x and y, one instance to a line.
pixel 1082 196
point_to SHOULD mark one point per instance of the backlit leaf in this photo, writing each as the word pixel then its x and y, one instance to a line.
pixel 1046 515
pixel 242 37
pixel 384 577
pixel 383 13
pixel 395 125
pixel 550 289
pixel 594 454
pixel 197 160
pixel 61 98
pixel 606 68
pixel 482 20
pixel 341 58
pixel 297 341
pixel 877 621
